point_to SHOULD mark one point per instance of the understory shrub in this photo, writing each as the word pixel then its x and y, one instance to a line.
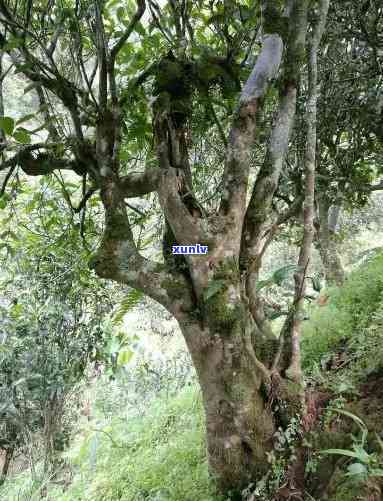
pixel 156 457
pixel 159 456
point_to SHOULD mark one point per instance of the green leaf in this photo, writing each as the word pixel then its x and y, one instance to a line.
pixel 120 13
pixel 7 124
pixel 213 288
pixel 16 310
pixel 341 452
pixel 10 250
pixel 276 315
pixel 263 283
pixel 356 469
pixel 356 419
pixel 362 454
pixel 131 300
pixel 277 277
pixel 43 107
pixel 282 273
pixel 8 234
pixel 13 43
pixel 25 118
pixel 124 357
pixel 19 68
pixel 31 86
pixel 376 472
pixel 22 136
pixel 140 29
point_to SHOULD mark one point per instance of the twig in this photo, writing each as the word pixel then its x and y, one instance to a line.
pixel 5 182
pixel 142 214
pixel 136 18
pixel 84 200
pixel 217 122
pixel 110 437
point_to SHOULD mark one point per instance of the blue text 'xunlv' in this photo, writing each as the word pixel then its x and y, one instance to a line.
pixel 189 249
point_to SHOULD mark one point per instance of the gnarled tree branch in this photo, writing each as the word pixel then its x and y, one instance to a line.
pixel 119 259
pixel 136 184
pixel 254 229
pixel 242 132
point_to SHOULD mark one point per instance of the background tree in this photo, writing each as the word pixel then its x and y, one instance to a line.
pixel 50 335
pixel 350 122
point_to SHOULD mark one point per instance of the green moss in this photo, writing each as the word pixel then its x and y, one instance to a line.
pixel 294 60
pixel 265 349
pixel 227 269
pixel 117 227
pixel 174 287
pixel 240 391
pixel 220 315
pixel 274 21
pixel 219 310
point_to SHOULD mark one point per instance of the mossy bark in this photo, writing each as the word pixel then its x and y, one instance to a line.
pixel 244 401
pixel 215 302
pixel 239 422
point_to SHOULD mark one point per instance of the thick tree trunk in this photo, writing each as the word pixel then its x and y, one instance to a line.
pixel 245 399
pixel 239 420
pixel 327 244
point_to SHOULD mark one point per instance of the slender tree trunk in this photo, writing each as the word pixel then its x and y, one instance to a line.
pixel 327 244
pixel 7 461
pixel 294 369
pixel 53 412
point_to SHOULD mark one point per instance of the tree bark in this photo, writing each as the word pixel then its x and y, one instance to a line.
pixel 327 245
pixel 239 421
pixel 7 462
pixel 245 401
pixel 245 398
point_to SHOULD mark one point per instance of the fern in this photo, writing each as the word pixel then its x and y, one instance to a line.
pixel 213 288
pixel 131 300
pixel 278 276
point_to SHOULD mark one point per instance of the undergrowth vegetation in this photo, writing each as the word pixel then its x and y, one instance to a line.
pixel 157 456
pixel 156 452
pixel 347 318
